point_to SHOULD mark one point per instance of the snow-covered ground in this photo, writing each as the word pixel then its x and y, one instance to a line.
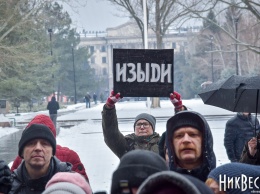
pixel 87 140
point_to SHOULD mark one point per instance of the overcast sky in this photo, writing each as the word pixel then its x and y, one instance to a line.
pixel 96 15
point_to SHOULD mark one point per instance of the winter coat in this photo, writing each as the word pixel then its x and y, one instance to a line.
pixel 64 154
pixel 208 155
pixel 239 130
pixel 87 98
pixel 248 159
pixel 22 185
pixel 121 144
pixel 53 106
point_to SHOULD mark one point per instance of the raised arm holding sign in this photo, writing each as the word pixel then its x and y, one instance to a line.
pixel 144 136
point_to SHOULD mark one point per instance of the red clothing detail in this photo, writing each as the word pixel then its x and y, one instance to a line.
pixel 65 155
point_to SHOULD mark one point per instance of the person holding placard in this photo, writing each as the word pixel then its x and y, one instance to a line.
pixel 144 136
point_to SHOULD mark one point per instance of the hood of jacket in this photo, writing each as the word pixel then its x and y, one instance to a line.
pixel 208 155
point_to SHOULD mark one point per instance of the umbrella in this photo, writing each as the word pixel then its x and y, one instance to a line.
pixel 237 94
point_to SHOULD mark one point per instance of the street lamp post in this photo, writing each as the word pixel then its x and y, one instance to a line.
pixel 236 21
pixel 74 77
pixel 211 45
pixel 50 33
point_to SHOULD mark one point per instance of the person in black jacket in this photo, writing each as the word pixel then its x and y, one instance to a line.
pixel 239 130
pixel 53 107
pixel 190 145
pixel 37 147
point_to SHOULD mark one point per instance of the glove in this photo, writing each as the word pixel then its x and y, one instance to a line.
pixel 112 99
pixel 5 177
pixel 176 100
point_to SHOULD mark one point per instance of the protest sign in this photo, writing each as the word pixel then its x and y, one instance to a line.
pixel 143 72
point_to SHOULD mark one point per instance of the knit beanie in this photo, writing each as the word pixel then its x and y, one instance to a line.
pixel 150 118
pixel 36 131
pixel 44 120
pixel 236 170
pixel 134 167
pixel 67 183
pixel 185 119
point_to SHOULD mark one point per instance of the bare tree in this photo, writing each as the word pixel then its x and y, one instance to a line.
pixel 161 15
pixel 251 8
pixel 226 50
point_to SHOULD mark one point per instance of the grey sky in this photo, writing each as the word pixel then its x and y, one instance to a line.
pixel 96 15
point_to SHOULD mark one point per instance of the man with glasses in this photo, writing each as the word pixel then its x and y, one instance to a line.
pixel 144 136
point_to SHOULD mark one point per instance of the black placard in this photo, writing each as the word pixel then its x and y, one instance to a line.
pixel 143 72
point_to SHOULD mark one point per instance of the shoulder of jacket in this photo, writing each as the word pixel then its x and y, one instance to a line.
pixel 65 152
pixel 130 136
pixel 62 166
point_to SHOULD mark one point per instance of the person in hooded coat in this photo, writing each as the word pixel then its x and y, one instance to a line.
pixel 190 145
pixel 239 130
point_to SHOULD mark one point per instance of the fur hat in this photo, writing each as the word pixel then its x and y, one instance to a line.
pixel 36 131
pixel 44 120
pixel 150 118
pixel 168 182
pixel 67 183
pixel 185 119
pixel 134 167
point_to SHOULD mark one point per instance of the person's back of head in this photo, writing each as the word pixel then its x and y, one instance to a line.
pixel 67 183
pixel 235 178
pixel 134 167
pixel 53 98
pixel 169 182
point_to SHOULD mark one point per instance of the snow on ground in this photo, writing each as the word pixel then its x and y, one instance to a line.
pixel 5 131
pixel 100 162
pixel 87 138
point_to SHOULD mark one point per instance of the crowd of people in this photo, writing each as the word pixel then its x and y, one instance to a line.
pixel 180 160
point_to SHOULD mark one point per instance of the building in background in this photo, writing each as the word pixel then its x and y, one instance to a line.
pixel 128 36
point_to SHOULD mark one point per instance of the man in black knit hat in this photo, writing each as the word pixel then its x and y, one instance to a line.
pixel 37 147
